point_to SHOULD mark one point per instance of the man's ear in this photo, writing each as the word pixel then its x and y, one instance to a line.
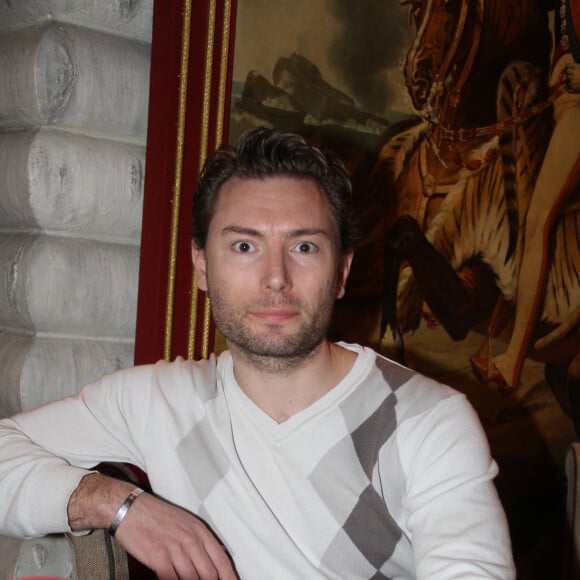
pixel 200 266
pixel 343 271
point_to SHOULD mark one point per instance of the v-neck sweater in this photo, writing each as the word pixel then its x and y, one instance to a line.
pixel 388 475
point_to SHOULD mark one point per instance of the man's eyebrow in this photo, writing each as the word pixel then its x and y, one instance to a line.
pixel 309 232
pixel 241 230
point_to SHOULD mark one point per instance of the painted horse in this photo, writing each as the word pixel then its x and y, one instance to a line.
pixel 460 178
pixel 452 72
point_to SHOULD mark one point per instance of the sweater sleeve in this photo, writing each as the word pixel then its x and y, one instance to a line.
pixel 45 452
pixel 457 523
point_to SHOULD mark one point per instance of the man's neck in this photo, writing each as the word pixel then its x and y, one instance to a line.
pixel 282 389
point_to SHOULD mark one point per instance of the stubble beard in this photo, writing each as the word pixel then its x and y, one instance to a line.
pixel 273 351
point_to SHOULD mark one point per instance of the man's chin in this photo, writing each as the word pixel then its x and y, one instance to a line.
pixel 276 345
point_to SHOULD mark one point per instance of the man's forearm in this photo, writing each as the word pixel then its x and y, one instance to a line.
pixel 95 501
pixel 27 473
pixel 164 537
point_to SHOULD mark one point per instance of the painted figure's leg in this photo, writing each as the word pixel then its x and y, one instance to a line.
pixel 547 200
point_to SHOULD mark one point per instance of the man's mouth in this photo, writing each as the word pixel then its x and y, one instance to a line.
pixel 274 314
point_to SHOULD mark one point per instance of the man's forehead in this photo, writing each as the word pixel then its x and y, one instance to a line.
pixel 273 191
pixel 293 203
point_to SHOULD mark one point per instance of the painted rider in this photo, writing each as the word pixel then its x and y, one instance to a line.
pixel 551 191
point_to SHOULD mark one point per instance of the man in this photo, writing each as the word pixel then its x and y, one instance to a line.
pixel 307 459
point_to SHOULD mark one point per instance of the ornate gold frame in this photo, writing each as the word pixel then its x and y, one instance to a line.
pixel 190 91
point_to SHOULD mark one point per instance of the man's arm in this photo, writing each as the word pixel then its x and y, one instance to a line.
pixel 458 526
pixel 46 487
pixel 167 539
pixel 44 453
pixel 36 486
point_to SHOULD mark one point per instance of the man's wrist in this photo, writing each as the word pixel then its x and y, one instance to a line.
pixel 123 510
pixel 95 501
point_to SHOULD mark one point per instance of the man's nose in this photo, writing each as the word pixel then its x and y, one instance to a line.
pixel 276 272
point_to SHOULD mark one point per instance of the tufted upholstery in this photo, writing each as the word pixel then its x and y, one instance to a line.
pixel 95 556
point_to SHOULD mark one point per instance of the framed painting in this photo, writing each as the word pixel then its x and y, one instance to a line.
pixel 365 80
pixel 413 97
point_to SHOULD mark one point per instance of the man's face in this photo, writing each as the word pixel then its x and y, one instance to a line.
pixel 272 266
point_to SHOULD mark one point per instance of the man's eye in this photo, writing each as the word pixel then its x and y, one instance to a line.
pixel 243 247
pixel 305 247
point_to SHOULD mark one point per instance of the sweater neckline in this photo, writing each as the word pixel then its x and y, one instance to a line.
pixel 279 431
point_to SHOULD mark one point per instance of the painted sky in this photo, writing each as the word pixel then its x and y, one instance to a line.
pixel 357 45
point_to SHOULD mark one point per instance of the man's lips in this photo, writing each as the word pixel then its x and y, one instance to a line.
pixel 274 314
